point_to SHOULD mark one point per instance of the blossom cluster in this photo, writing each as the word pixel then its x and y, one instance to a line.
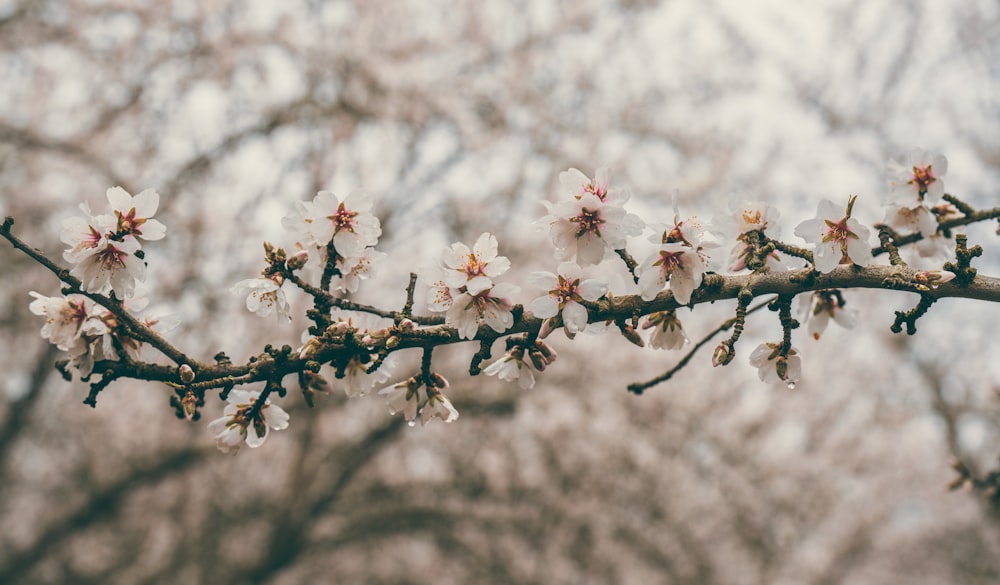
pixel 106 255
pixel 589 229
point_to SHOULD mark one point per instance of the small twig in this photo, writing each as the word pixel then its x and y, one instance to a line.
pixel 640 387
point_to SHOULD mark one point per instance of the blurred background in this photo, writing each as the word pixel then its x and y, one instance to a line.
pixel 459 116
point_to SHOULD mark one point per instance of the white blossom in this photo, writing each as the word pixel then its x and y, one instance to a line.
pixel 774 367
pixel 838 237
pixel 592 223
pixel 264 296
pixel 235 425
pixel 919 180
pixel 564 292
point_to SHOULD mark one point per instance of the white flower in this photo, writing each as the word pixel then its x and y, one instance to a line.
pixel 86 234
pixel 103 260
pixel 917 181
pixel 564 293
pixel 437 406
pixel 512 367
pixel 935 248
pixel 354 269
pixel 838 237
pixel 474 269
pixel 348 223
pixel 668 333
pixel 578 184
pixel 404 397
pixel 411 397
pixel 491 306
pixel 774 367
pixel 65 317
pixel 682 264
pixel 818 307
pixel 134 214
pixel 682 258
pixel 745 217
pixel 439 297
pixel 265 295
pixel 235 424
pixel 911 219
pixel 592 223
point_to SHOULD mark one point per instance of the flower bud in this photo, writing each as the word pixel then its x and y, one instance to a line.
pixel 392 342
pixel 632 335
pixel 186 374
pixel 298 260
pixel 438 381
pixel 722 355
pixel 189 404
pixel 406 325
pixel 781 367
pixel 934 277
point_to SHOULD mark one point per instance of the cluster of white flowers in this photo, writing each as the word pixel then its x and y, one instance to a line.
pixel 589 229
pixel 104 249
pixel 418 396
pixel 593 222
pixel 240 423
pixel 106 255
pixel 463 287
pixel 682 259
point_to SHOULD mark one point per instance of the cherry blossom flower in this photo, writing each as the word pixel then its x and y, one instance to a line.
pixel 348 223
pixel 103 260
pixel 491 306
pixel 439 295
pixel 134 214
pixel 577 184
pixel 682 258
pixel 772 366
pixel 682 264
pixel 437 406
pixel 564 293
pixel 917 181
pixel 912 219
pixel 592 223
pixel 463 287
pixel 236 426
pixel 405 397
pixel 819 306
pixel 838 238
pixel 66 318
pixel 86 234
pixel 411 397
pixel 265 294
pixel 474 269
pixel 354 269
pixel 668 333
pixel 512 367
pixel 745 217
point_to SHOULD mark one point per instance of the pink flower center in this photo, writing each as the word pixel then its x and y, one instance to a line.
pixel 589 221
pixel 475 266
pixel 922 178
pixel 111 257
pixel 129 224
pixel 838 233
pixel 343 218
pixel 566 291
pixel 669 261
